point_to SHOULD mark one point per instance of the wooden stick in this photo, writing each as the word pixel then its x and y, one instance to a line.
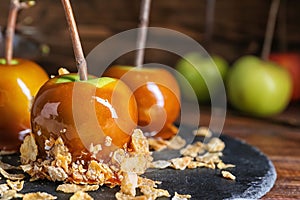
pixel 282 27
pixel 270 29
pixel 15 6
pixel 209 22
pixel 77 48
pixel 142 33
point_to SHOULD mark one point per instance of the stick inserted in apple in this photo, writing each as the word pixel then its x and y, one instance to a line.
pixel 156 90
pixel 19 83
pixel 84 111
pixel 257 86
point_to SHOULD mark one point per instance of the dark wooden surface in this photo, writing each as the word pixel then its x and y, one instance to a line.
pixel 238 29
pixel 275 138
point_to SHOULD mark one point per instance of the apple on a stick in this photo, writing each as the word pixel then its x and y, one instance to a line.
pixel 19 83
pixel 84 111
pixel 156 90
pixel 157 95
pixel 257 86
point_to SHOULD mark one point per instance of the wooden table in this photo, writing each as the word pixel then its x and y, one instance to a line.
pixel 278 138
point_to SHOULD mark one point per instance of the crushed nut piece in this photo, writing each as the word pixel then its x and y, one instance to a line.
pixel 210 165
pixel 153 193
pixel 228 175
pixel 139 142
pixel 118 156
pixel 129 183
pixel 193 150
pixel 57 173
pixel 3 187
pixel 72 188
pixel 202 131
pixel 49 144
pixel 61 154
pixel 157 144
pixel 210 157
pixel 176 142
pixel 108 141
pixel 80 195
pixel 9 194
pixel 95 149
pixel 28 149
pixel 15 185
pixel 13 177
pixel 181 196
pixel 137 164
pixel 122 196
pixel 62 71
pixel 196 164
pixel 222 165
pixel 215 145
pixel 146 181
pixel 181 163
pixel 38 196
pixel 160 164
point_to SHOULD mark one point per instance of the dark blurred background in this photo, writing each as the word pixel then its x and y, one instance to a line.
pixel 239 27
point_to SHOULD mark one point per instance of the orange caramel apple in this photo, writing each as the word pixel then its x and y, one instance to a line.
pixel 99 111
pixel 158 97
pixel 19 83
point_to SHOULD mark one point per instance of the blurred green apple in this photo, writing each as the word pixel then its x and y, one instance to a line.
pixel 258 87
pixel 197 68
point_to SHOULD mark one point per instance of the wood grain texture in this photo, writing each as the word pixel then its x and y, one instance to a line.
pixel 239 25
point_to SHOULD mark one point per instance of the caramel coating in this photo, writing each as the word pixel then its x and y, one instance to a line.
pixel 84 116
pixel 19 84
pixel 158 97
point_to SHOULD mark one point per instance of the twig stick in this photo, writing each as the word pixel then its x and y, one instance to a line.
pixel 142 34
pixel 77 48
pixel 209 22
pixel 270 29
pixel 15 6
pixel 282 27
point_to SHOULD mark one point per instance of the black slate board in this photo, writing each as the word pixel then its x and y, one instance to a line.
pixel 254 171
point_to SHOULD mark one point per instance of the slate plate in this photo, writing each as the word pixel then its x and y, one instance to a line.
pixel 254 171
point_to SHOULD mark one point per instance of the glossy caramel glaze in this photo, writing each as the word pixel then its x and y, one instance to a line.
pixel 19 84
pixel 84 116
pixel 157 95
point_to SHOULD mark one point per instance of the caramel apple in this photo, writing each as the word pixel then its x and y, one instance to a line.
pixel 157 95
pixel 19 83
pixel 84 114
pixel 83 128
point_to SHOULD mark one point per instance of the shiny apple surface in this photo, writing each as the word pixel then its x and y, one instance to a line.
pixel 19 83
pixel 158 98
pixel 84 114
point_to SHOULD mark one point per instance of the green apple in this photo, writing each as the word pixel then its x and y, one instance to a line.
pixel 196 68
pixel 258 87
pixel 84 113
